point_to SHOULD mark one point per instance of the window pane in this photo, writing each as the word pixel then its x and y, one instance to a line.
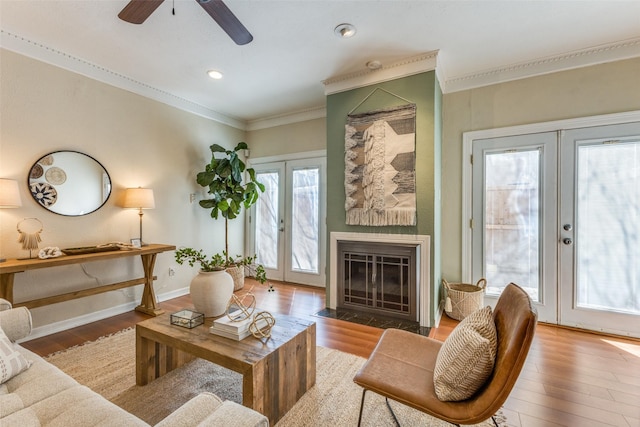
pixel 512 221
pixel 267 221
pixel 608 231
pixel 305 213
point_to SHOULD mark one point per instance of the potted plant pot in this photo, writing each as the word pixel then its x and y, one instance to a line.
pixel 211 292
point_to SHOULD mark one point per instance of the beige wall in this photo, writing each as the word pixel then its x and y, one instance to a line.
pixel 141 143
pixel 601 89
pixel 293 138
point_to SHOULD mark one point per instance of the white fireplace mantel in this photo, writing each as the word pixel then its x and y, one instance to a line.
pixel 420 242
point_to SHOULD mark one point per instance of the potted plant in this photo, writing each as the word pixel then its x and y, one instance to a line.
pixel 212 287
pixel 230 193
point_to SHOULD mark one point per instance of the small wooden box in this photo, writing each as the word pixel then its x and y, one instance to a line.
pixel 187 318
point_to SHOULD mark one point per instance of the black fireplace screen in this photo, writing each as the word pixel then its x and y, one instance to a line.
pixel 378 278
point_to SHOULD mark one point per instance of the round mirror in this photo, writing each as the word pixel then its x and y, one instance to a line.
pixel 69 183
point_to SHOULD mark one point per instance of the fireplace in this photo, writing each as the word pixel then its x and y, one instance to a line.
pixel 378 278
pixel 398 246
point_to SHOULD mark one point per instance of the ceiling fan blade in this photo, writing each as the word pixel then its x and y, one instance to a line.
pixel 227 20
pixel 137 11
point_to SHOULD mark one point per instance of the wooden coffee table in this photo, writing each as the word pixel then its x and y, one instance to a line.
pixel 275 372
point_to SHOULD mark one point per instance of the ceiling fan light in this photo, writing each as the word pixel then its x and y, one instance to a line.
pixel 215 74
pixel 345 31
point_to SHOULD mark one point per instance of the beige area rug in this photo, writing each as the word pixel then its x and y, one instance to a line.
pixel 107 366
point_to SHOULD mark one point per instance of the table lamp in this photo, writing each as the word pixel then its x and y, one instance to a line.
pixel 139 198
pixel 9 196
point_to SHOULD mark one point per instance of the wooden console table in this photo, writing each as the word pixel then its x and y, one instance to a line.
pixel 148 255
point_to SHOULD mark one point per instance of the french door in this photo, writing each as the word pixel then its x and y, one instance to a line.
pixel 515 216
pixel 287 224
pixel 600 229
pixel 559 214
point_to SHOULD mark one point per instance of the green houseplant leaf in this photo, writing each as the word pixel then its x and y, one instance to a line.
pixel 229 193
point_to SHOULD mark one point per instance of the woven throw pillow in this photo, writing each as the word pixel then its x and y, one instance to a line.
pixel 11 361
pixel 467 357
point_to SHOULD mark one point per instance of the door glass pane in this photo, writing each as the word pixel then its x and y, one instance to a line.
pixel 512 221
pixel 608 227
pixel 267 221
pixel 304 224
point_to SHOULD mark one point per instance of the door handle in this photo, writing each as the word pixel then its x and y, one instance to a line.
pixel 567 241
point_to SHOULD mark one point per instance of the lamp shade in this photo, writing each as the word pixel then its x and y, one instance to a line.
pixel 139 198
pixel 9 194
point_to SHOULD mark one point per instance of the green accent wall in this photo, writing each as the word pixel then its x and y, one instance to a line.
pixel 424 90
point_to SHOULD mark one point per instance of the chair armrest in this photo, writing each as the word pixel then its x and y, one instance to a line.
pixel 5 305
pixel 16 323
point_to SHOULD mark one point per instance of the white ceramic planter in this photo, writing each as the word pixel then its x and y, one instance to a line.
pixel 211 292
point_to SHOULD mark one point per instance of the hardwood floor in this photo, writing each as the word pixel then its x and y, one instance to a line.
pixel 571 378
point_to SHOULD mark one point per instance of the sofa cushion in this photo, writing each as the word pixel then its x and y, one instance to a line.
pixel 11 361
pixel 467 357
pixel 207 410
pixel 41 381
pixel 75 406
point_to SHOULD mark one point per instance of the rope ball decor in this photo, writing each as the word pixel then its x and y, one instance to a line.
pixel 242 307
pixel 264 331
pixel 245 304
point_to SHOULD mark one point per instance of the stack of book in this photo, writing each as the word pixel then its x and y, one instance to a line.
pixel 237 330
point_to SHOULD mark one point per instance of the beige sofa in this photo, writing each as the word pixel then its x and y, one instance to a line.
pixel 43 395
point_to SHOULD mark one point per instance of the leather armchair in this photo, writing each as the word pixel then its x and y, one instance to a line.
pixel 402 364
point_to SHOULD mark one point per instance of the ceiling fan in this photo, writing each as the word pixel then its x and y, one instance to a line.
pixel 137 11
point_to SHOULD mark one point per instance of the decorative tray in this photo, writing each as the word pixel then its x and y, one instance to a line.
pixel 90 249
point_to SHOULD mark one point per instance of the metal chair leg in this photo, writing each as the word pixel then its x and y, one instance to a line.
pixel 393 414
pixel 364 391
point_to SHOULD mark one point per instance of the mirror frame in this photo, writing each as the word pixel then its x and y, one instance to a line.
pixel 54 173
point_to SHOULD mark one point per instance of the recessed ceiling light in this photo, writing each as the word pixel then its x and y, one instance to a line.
pixel 374 65
pixel 345 31
pixel 215 74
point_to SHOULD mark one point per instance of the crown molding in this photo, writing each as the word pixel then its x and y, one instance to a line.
pixel 287 118
pixel 41 52
pixel 403 68
pixel 601 54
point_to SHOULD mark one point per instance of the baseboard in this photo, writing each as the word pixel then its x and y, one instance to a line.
pixel 53 328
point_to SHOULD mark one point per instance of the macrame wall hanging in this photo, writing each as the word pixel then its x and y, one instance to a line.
pixel 29 230
pixel 380 152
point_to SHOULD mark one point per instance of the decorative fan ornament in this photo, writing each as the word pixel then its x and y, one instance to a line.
pixel 47 160
pixel 137 11
pixel 44 193
pixel 55 176
pixel 36 171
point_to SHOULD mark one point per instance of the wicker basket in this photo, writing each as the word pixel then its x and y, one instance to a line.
pixel 237 273
pixel 463 298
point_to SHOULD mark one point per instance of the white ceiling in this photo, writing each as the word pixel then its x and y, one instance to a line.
pixel 294 48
